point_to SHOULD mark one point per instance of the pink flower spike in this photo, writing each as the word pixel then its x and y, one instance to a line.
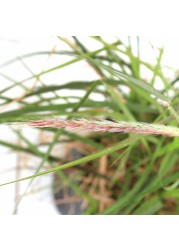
pixel 103 126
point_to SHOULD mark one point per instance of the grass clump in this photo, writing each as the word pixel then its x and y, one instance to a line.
pixel 110 173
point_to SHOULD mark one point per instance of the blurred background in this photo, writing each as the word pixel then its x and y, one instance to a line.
pixel 49 77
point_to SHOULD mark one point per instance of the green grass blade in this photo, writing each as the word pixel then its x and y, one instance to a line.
pixel 106 151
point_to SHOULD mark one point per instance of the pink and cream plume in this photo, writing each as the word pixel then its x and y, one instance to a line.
pixel 105 126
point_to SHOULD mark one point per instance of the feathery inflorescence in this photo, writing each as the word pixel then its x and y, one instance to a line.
pixel 106 126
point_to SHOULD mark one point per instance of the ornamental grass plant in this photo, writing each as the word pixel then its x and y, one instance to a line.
pixel 118 132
